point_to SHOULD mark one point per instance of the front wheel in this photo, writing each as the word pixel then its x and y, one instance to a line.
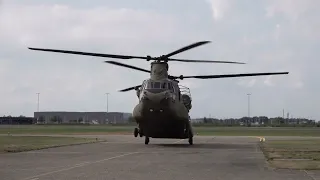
pixel 136 132
pixel 146 140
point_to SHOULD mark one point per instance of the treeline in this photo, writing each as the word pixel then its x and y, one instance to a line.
pixel 256 121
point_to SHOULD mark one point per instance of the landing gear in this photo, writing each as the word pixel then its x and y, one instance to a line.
pixel 146 140
pixel 189 133
pixel 136 132
pixel 191 140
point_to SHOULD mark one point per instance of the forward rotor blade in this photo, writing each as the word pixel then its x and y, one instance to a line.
pixel 89 54
pixel 129 89
pixel 231 75
pixel 205 61
pixel 187 48
pixel 128 66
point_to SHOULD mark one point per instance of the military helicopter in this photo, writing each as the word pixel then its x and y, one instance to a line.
pixel 164 105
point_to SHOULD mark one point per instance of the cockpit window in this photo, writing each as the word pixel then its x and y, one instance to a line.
pixel 159 85
pixel 156 85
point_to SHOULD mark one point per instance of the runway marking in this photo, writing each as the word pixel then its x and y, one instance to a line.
pixel 78 165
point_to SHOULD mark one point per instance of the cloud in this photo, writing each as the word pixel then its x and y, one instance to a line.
pixel 67 78
pixel 81 25
pixel 282 40
pixel 219 8
pixel 291 9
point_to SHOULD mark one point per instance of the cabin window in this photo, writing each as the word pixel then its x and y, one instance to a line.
pixel 170 87
pixel 159 85
pixel 156 85
pixel 164 86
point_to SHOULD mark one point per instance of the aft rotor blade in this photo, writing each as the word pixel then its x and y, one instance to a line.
pixel 231 75
pixel 89 54
pixel 187 48
pixel 131 88
pixel 128 66
pixel 204 61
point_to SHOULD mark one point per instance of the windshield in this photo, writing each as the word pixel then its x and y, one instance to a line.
pixel 159 85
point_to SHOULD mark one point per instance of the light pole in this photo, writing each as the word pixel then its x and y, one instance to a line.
pixel 38 101
pixel 107 107
pixel 107 102
pixel 38 106
pixel 249 104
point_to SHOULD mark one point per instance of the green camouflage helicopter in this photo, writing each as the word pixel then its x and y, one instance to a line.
pixel 164 105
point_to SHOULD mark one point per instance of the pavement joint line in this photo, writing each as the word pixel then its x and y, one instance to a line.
pixel 77 165
pixel 313 178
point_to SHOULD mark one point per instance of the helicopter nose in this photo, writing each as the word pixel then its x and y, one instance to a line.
pixel 152 96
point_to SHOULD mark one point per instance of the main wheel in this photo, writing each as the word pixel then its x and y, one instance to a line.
pixel 136 132
pixel 191 140
pixel 190 135
pixel 146 140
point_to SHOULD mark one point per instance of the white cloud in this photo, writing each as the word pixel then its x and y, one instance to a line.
pixel 71 79
pixel 219 8
pixel 291 9
pixel 63 23
pixel 70 82
pixel 268 81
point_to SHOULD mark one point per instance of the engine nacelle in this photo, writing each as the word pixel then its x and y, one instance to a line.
pixel 187 101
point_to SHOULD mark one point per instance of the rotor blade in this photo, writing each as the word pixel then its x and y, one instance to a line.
pixel 205 61
pixel 231 75
pixel 89 54
pixel 129 89
pixel 128 66
pixel 187 48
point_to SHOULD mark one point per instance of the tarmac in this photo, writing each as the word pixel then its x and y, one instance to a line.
pixel 124 157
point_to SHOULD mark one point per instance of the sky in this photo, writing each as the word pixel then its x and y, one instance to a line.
pixel 268 35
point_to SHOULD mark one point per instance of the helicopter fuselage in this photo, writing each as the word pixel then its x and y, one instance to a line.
pixel 161 112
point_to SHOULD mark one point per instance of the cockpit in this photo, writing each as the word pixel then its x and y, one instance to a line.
pixel 159 85
pixel 155 87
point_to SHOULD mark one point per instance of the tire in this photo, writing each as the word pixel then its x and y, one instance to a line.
pixel 146 140
pixel 190 135
pixel 191 140
pixel 135 132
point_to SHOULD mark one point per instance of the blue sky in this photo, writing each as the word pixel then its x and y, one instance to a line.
pixel 268 35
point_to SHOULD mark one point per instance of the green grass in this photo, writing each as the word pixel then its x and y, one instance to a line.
pixel 107 129
pixel 27 143
pixel 293 154
pixel 258 131
pixel 64 129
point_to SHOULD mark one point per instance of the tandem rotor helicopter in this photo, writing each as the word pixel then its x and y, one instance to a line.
pixel 164 105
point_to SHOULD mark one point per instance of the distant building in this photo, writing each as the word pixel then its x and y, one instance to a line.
pixel 16 120
pixel 63 117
